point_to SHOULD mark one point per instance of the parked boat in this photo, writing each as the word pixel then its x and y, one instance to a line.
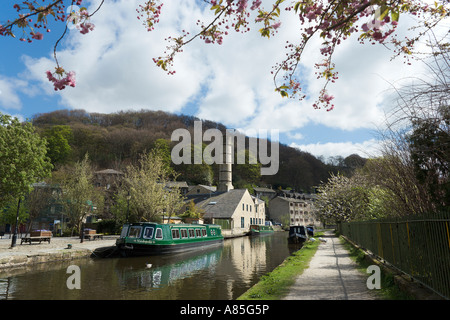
pixel 297 234
pixel 149 238
pixel 256 230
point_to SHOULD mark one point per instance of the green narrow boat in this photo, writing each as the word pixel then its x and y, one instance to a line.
pixel 256 230
pixel 149 238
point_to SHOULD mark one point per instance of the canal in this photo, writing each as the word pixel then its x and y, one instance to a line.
pixel 220 273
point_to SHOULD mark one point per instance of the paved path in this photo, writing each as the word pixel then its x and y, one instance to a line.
pixel 331 275
pixel 29 254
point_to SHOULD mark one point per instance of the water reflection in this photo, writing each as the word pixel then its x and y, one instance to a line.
pixel 223 272
pixel 165 270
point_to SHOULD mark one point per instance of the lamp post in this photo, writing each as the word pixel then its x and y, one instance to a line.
pixel 128 206
pixel 14 238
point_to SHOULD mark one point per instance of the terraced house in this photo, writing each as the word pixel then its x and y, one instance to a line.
pixel 293 211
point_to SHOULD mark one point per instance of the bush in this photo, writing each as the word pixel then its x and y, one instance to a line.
pixel 108 226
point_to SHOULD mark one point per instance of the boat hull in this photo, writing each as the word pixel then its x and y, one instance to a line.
pixel 257 230
pixel 296 239
pixel 136 249
pixel 297 234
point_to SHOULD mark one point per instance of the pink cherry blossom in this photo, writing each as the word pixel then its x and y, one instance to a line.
pixel 86 27
pixel 276 25
pixel 37 36
pixel 255 4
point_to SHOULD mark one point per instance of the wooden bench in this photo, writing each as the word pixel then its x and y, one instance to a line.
pixel 94 236
pixel 35 239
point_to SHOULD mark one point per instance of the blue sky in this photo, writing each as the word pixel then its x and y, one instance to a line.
pixel 230 83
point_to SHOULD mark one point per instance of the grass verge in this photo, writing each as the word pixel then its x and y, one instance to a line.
pixel 275 285
pixel 389 290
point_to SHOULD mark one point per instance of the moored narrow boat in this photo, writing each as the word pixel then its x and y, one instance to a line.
pixel 149 238
pixel 256 230
pixel 297 234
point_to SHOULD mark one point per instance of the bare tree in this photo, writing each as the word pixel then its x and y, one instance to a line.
pixel 145 184
pixel 417 139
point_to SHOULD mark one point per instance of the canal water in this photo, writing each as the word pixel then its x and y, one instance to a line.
pixel 219 273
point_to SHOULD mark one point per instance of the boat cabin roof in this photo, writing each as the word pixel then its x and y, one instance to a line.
pixel 174 225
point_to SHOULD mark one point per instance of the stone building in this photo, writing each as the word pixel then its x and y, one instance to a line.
pixel 234 211
pixel 293 211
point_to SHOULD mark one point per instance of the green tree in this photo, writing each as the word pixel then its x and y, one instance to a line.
pixel 9 214
pixel 59 138
pixel 162 148
pixel 79 194
pixel 23 158
pixel 192 212
pixel 247 173
pixel 193 173
pixel 23 161
pixel 37 201
pixel 430 154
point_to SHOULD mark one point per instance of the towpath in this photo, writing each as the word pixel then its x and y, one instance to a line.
pixel 331 275
pixel 57 249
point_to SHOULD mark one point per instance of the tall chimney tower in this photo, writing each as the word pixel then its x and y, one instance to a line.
pixel 225 174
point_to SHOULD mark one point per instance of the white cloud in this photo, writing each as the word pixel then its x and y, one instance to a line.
pixel 114 66
pixel 370 148
pixel 10 89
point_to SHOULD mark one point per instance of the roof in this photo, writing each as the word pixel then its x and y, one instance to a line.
pixel 179 184
pixel 222 205
pixel 210 188
pixel 258 189
pixel 257 200
pixel 108 171
pixel 288 199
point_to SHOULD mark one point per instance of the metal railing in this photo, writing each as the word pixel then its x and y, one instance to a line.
pixel 416 245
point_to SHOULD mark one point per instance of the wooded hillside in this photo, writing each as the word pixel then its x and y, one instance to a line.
pixel 115 140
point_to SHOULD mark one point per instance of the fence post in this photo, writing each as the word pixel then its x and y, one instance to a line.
pixel 380 241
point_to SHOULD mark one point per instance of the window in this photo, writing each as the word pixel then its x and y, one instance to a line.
pixel 250 208
pixel 242 222
pixel 159 234
pixel 148 233
pixel 191 233
pixel 175 234
pixel 184 233
pixel 135 232
pixel 123 234
pixel 204 232
pixel 198 233
pixel 243 207
pixel 247 207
